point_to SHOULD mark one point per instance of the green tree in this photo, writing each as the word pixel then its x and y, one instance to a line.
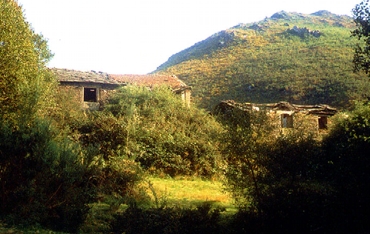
pixel 347 150
pixel 41 48
pixel 275 177
pixel 24 80
pixel 44 177
pixel 361 15
pixel 245 142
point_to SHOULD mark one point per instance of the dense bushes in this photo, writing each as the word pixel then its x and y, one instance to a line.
pixel 43 179
pixel 282 183
pixel 203 219
pixel 155 128
pixel 53 170
pixel 295 183
pixel 48 179
pixel 294 194
pixel 347 150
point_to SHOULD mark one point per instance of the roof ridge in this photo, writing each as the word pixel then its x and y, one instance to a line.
pixel 70 75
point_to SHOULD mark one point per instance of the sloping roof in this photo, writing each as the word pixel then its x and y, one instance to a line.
pixel 151 80
pixel 320 109
pixel 73 76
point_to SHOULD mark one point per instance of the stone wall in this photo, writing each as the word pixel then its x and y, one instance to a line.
pixel 76 92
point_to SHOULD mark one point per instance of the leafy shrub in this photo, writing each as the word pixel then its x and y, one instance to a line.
pixel 347 150
pixel 66 112
pixel 117 175
pixel 104 132
pixel 44 180
pixel 294 195
pixel 245 142
pixel 162 134
pixel 108 137
pixel 117 183
pixel 277 179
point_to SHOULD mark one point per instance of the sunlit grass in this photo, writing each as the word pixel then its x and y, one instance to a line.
pixel 167 192
pixel 178 192
pixel 191 192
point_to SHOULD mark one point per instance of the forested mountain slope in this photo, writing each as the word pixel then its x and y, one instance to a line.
pixel 303 59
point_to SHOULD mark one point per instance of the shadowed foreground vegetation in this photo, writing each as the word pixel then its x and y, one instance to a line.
pixel 233 175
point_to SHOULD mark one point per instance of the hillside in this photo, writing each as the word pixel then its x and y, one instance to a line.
pixel 303 59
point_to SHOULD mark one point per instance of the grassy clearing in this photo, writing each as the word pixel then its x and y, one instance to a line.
pixel 190 192
pixel 178 192
pixel 169 192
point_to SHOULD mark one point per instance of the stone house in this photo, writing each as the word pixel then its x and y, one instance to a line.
pixel 286 115
pixel 92 88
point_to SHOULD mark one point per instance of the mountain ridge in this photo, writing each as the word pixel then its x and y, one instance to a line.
pixel 300 58
pixel 254 25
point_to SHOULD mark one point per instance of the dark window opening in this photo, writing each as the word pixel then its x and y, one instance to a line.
pixel 323 122
pixel 286 121
pixel 90 95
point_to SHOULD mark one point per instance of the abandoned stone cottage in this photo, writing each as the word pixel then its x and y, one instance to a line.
pixel 92 88
pixel 286 115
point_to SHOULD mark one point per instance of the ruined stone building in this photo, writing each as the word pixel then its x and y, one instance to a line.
pixel 286 115
pixel 92 88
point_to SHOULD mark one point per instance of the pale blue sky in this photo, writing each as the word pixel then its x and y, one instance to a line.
pixel 136 36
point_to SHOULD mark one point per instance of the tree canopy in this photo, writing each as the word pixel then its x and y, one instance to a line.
pixel 23 55
pixel 361 15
